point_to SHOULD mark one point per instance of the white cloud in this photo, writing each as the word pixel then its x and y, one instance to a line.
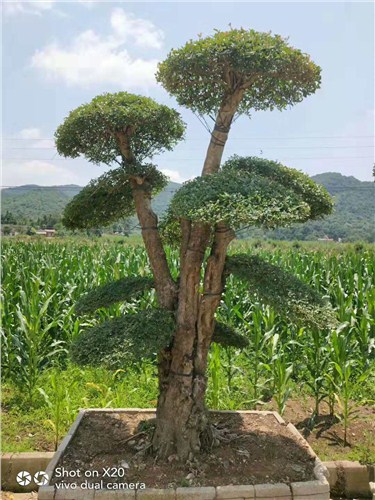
pixel 34 137
pixel 93 59
pixel 30 133
pixel 143 32
pixel 38 172
pixel 14 7
pixel 87 3
pixel 173 175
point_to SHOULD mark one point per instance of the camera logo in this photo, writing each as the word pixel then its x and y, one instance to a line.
pixel 41 478
pixel 24 478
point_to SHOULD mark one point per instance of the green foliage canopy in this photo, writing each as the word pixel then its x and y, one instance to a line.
pixel 109 198
pixel 251 191
pixel 90 130
pixel 227 336
pixel 116 291
pixel 133 337
pixel 283 291
pixel 124 339
pixel 203 71
pixel 315 195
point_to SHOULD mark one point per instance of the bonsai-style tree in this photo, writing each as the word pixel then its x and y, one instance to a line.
pixel 218 77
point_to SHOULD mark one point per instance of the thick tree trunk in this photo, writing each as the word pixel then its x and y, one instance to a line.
pixel 180 415
pixel 181 422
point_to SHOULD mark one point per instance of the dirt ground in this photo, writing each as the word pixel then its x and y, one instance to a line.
pixel 257 449
pixel 7 495
pixel 326 433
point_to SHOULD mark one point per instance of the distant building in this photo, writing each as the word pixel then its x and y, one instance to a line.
pixel 48 233
pixel 326 239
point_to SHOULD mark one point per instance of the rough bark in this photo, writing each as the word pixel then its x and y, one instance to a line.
pixel 180 419
pixel 210 299
pixel 185 225
pixel 166 288
pixel 221 130
pixel 181 414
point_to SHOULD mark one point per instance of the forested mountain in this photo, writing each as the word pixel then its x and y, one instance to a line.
pixel 31 203
pixel 352 220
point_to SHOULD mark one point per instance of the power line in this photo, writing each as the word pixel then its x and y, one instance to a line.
pixel 234 138
pixel 63 187
pixel 257 147
pixel 200 159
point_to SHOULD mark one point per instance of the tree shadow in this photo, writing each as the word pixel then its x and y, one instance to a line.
pixel 252 448
pixel 335 440
pixel 320 423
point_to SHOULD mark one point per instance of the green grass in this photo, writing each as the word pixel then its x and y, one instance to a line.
pixel 28 428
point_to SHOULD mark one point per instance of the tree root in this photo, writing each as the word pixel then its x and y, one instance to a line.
pixel 214 435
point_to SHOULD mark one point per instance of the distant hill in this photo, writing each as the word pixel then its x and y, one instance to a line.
pixel 30 202
pixel 352 220
pixel 354 215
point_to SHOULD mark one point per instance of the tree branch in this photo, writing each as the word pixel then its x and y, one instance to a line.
pixel 124 145
pixel 220 133
pixel 166 288
pixel 185 235
pixel 212 289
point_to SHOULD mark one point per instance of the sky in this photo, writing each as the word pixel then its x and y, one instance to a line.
pixel 59 55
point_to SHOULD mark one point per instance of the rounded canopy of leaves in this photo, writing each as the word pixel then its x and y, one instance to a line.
pixel 251 191
pixel 120 290
pixel 109 198
pixel 315 195
pixel 204 71
pixel 124 339
pixel 283 291
pixel 91 129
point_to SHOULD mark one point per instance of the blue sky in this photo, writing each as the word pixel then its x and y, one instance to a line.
pixel 58 55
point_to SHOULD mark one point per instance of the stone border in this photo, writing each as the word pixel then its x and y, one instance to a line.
pixel 64 443
pixel 353 475
pixel 13 463
pixel 372 488
pixel 351 479
pixel 313 490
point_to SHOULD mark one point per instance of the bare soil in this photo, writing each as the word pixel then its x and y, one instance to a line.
pixel 254 449
pixel 325 433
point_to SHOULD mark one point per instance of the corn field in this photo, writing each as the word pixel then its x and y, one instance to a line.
pixel 42 281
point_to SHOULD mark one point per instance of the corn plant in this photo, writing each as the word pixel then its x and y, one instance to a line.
pixel 317 361
pixel 41 281
pixel 35 349
pixel 260 329
pixel 58 401
pixel 215 370
pixel 280 373
pixel 343 376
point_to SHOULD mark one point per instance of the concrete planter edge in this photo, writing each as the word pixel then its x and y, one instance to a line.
pixel 319 489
